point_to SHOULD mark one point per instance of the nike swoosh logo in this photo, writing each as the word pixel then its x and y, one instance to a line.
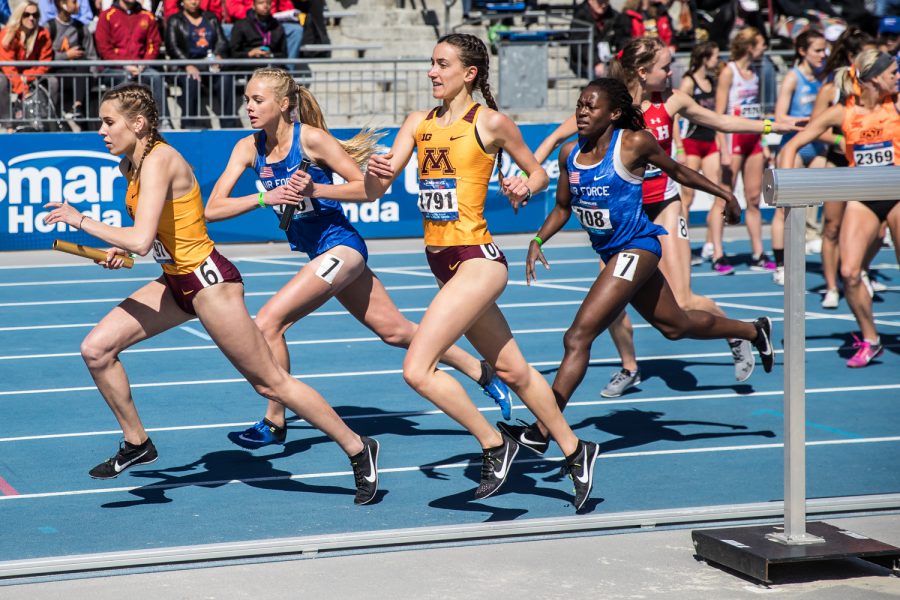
pixel 371 477
pixel 599 177
pixel 586 474
pixel 119 468
pixel 454 265
pixel 292 169
pixel 502 396
pixel 187 293
pixel 525 440
pixel 504 467
pixel 452 139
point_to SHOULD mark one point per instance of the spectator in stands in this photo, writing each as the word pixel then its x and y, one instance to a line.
pixel 21 39
pixel 314 29
pixel 4 12
pixel 171 7
pixel 889 35
pixel 72 41
pixel 649 18
pixel 292 31
pixel 259 35
pixel 611 33
pixel 83 15
pixel 125 31
pixel 193 33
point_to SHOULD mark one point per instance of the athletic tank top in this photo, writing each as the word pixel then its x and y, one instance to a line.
pixel 872 140
pixel 607 199
pixel 706 100
pixel 454 171
pixel 276 174
pixel 804 95
pixel 743 96
pixel 657 185
pixel 182 242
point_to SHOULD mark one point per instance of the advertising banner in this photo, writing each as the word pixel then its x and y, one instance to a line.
pixel 36 168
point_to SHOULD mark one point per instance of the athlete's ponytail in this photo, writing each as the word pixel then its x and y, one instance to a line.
pixel 620 99
pixel 360 147
pixel 473 53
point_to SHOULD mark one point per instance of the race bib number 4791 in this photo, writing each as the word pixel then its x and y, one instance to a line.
pixel 437 199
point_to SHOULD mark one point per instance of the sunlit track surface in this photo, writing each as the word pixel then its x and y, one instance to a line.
pixel 688 436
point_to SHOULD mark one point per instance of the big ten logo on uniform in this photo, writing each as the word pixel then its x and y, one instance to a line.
pixel 85 179
pixel 437 159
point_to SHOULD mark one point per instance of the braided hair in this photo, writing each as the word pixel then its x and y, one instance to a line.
pixel 360 147
pixel 136 99
pixel 473 53
pixel 620 99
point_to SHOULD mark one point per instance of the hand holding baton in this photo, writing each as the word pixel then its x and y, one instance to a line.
pixel 95 254
pixel 289 210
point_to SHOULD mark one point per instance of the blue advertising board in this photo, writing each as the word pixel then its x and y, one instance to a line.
pixel 38 168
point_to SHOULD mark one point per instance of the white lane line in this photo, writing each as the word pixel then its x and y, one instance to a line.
pixel 306 376
pixel 446 466
pixel 629 401
pixel 196 332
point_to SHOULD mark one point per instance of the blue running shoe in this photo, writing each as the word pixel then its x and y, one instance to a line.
pixel 261 434
pixel 497 390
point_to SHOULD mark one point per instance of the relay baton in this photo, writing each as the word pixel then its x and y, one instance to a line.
pixel 88 252
pixel 288 213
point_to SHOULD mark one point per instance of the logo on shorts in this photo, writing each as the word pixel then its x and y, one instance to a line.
pixel 454 265
pixel 187 292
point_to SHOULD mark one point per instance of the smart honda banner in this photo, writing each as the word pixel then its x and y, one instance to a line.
pixel 36 168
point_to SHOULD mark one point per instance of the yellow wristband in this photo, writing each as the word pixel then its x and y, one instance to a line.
pixel 260 198
pixel 767 126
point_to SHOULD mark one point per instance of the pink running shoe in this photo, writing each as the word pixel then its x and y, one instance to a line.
pixel 721 266
pixel 762 263
pixel 866 351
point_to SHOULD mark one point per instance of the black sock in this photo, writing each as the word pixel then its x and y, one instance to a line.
pixel 271 424
pixel 487 373
pixel 779 256
pixel 571 458
pixel 130 446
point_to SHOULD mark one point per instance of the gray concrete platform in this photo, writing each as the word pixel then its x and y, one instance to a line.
pixel 637 565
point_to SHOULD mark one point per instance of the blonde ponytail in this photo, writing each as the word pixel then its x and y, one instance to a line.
pixel 360 147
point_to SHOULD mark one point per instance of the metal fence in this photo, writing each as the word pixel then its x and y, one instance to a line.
pixel 351 91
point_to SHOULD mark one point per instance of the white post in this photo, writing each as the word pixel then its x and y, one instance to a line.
pixel 794 190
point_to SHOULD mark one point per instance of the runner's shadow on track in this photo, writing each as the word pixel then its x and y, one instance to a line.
pixel 218 469
pixel 635 427
pixel 515 483
pixel 373 422
pixel 677 377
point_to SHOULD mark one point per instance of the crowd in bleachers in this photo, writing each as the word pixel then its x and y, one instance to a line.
pixel 207 31
pixel 123 30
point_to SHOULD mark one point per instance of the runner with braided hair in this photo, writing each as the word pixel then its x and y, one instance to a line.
pixel 164 200
pixel 337 266
pixel 457 145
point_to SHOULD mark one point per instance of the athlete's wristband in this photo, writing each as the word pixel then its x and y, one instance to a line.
pixel 539 241
pixel 767 126
pixel 679 151
pixel 260 198
pixel 528 195
pixel 838 138
pixel 81 222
